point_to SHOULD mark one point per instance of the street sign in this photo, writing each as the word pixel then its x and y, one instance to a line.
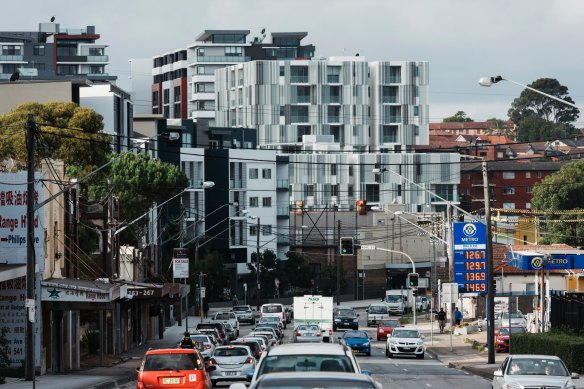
pixel 180 263
pixel 367 247
pixel 449 294
pixel 203 291
pixel 470 257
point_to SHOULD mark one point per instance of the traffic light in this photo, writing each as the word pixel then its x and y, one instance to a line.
pixel 347 246
pixel 412 280
pixel 415 292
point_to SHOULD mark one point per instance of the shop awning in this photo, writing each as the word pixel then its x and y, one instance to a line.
pixel 10 272
pixel 74 290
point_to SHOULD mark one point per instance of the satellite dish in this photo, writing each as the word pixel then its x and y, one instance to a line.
pixel 52 19
pixel 15 76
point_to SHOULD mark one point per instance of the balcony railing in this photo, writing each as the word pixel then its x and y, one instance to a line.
pixel 333 79
pixel 389 99
pixel 302 99
pixel 213 58
pixel 392 119
pixel 283 240
pixel 298 119
pixel 299 79
pixel 283 211
pixel 15 58
pixel 282 184
pixel 333 119
pixel 97 58
pixel 334 99
pixel 392 80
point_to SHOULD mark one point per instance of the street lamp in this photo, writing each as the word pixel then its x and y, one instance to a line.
pixel 488 81
pixel 257 259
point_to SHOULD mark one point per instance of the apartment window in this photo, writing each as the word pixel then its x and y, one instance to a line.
pixel 166 96
pixel 201 52
pixel 333 169
pixel 528 189
pixel 389 134
pixel 253 230
pixel 509 205
pixel 266 173
pixel 205 87
pixel 508 175
pixel 96 69
pixel 202 70
pixel 38 50
pixel 335 190
pixel 333 113
pixel 96 51
pixel 499 154
pixel 253 202
pixel 266 202
pixel 350 170
pixel 253 174
pixel 538 174
pixel 66 51
pixel 282 70
pixel 266 230
pixel 509 190
pixel 234 51
pixel 350 190
pixel 333 74
pixel 299 114
pixel 11 50
pixel 389 94
pixel 298 73
pixel 177 93
pixel 527 174
pixel 63 70
pixel 416 110
pixel 527 205
pixel 9 68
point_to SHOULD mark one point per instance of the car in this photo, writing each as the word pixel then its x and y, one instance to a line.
pixel 483 324
pixel 272 339
pixel 205 344
pixel 533 371
pixel 227 317
pixel 244 314
pixel 385 327
pixel 376 312
pixel 307 333
pixel 312 379
pixel 254 344
pixel 358 341
pixel 517 319
pixel 405 341
pixel 274 310
pixel 214 334
pixel 230 331
pixel 422 303
pixel 231 363
pixel 271 319
pixel 306 357
pixel 345 317
pixel 262 339
pixel 173 368
pixel 502 337
pixel 274 326
pixel 214 325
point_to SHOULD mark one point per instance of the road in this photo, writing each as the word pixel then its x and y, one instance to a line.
pixel 397 373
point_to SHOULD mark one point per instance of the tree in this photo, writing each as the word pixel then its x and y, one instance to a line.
pixel 65 132
pixel 498 127
pixel 460 116
pixel 294 272
pixel 540 118
pixel 562 191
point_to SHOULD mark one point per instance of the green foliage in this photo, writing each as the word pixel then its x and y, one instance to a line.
pixel 65 132
pixel 498 127
pixel 213 265
pixel 566 345
pixel 541 118
pixel 460 116
pixel 563 190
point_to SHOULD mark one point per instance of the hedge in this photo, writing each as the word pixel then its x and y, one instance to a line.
pixel 568 346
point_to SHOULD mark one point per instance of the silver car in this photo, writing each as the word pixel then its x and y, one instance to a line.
pixel 205 344
pixel 533 371
pixel 307 333
pixel 232 363
pixel 244 313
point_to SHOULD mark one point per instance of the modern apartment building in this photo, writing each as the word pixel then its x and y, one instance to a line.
pixel 184 79
pixel 52 53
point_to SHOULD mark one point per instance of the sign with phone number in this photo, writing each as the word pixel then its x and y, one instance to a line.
pixel 470 257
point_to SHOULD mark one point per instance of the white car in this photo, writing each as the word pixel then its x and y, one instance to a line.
pixel 405 341
pixel 422 303
pixel 276 310
pixel 533 371
pixel 227 317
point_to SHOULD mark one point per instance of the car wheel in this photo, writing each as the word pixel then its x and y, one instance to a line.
pixel 213 384
pixel 420 356
pixel 368 353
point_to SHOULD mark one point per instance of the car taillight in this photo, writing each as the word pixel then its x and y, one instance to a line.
pixel 318 334
pixel 298 334
pixel 207 347
pixel 249 361
pixel 212 361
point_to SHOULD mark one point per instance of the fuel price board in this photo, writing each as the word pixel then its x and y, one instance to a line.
pixel 470 257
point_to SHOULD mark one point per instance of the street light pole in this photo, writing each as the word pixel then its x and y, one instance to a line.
pixel 258 266
pixel 490 269
pixel 30 253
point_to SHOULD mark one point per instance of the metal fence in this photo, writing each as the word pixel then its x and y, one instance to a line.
pixel 567 310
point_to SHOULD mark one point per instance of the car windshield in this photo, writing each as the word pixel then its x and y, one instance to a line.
pixel 378 309
pixel 269 319
pixel 223 316
pixel 308 328
pixel 272 309
pixel 300 363
pixel 393 298
pixel 310 383
pixel 228 327
pixel 345 312
pixel 536 366
pixel 389 323
pixel 514 330
pixel 200 339
pixel 241 309
pixel 175 361
pixel 514 315
pixel 355 334
pixel 230 352
pixel 399 333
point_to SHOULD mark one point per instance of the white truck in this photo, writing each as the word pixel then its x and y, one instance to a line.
pixel 399 301
pixel 311 309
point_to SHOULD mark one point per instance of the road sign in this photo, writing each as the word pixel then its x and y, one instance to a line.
pixel 449 293
pixel 367 247
pixel 203 291
pixel 470 257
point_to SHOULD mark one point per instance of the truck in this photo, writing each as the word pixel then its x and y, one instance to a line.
pixel 310 309
pixel 399 301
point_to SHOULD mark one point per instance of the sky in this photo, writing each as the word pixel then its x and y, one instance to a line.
pixel 463 40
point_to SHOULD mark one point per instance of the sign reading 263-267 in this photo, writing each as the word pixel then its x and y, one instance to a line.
pixel 470 257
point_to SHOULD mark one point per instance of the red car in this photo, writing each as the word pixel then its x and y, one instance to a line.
pixel 385 328
pixel 502 337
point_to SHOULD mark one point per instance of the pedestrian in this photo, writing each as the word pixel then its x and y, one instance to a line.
pixel 457 316
pixel 441 320
pixel 205 308
pixel 187 341
pixel 235 300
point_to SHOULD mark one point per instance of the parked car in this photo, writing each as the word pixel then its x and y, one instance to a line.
pixel 231 363
pixel 307 333
pixel 376 312
pixel 385 328
pixel 533 371
pixel 204 343
pixel 517 319
pixel 422 303
pixel 244 314
pixel 345 317
pixel 358 341
pixel 227 317
pixel 405 341
pixel 173 368
pixel 306 357
pixel 502 337
pixel 312 379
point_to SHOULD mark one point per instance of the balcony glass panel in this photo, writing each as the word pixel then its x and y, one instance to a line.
pixel 97 58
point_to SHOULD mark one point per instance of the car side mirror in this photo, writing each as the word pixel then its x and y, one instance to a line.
pixel 498 373
pixel 367 310
pixel 575 376
pixel 357 315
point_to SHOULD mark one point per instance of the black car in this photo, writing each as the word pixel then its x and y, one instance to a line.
pixel 345 317
pixel 215 325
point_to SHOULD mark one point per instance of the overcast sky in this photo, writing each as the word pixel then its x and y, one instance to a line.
pixel 523 40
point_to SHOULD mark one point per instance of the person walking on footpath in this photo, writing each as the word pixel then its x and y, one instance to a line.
pixel 441 320
pixel 457 316
pixel 205 308
pixel 235 300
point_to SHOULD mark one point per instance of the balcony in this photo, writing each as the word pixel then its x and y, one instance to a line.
pixel 283 240
pixel 11 58
pixel 218 59
pixel 283 212
pixel 392 119
pixel 333 119
pixel 299 79
pixel 98 58
pixel 389 99
pixel 333 79
pixel 282 184
pixel 333 100
pixel 301 99
pixel 298 119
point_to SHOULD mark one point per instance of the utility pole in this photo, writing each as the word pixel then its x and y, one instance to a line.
pixel 338 264
pixel 29 373
pixel 258 266
pixel 490 269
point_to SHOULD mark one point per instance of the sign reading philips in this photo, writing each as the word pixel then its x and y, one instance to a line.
pixel 470 257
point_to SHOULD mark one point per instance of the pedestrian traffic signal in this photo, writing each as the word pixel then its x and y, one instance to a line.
pixel 412 280
pixel 347 246
pixel 415 292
